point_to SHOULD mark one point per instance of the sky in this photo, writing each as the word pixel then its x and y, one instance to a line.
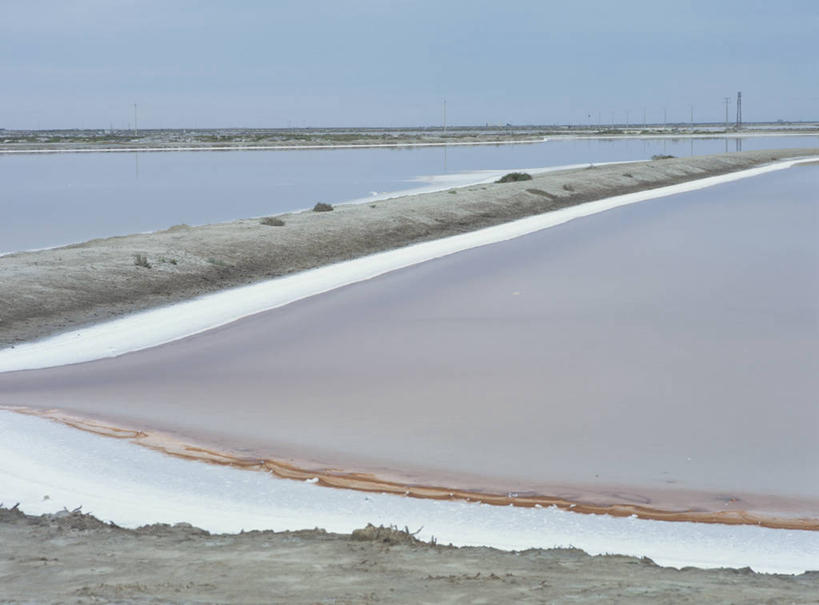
pixel 282 63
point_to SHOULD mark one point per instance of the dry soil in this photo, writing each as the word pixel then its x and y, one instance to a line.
pixel 74 558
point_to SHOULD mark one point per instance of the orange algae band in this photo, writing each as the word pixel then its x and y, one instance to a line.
pixel 368 482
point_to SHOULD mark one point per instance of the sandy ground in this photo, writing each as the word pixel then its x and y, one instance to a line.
pixel 50 291
pixel 74 558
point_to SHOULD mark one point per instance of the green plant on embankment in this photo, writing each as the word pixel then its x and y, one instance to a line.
pixel 514 176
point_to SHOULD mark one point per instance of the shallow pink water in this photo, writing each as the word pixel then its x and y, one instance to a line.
pixel 672 344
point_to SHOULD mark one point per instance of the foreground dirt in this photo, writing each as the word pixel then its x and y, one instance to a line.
pixel 74 558
pixel 53 290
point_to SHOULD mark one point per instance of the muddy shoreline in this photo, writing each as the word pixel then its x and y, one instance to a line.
pixel 75 557
pixel 50 291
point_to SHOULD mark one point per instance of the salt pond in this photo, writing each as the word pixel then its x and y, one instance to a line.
pixel 670 345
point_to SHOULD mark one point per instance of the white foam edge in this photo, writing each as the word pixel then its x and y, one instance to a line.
pixel 158 326
pixel 47 467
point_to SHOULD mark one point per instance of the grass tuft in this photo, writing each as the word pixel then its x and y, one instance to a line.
pixel 386 535
pixel 541 192
pixel 272 221
pixel 322 207
pixel 140 260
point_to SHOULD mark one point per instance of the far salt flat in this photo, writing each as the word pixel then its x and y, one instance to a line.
pixel 48 467
pixel 167 324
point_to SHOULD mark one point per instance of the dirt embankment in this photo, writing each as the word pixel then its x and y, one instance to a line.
pixel 53 290
pixel 71 557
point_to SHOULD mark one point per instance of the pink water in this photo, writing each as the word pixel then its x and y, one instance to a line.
pixel 671 345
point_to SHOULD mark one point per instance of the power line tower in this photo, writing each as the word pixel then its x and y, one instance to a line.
pixel 739 110
pixel 727 101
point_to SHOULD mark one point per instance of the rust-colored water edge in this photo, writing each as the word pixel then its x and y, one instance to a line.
pixel 774 512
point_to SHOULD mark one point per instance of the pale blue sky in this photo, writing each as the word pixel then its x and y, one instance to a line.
pixel 209 63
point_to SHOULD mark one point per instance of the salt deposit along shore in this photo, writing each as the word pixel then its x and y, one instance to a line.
pixel 48 467
pixel 91 471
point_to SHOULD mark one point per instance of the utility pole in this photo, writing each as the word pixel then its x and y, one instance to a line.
pixel 665 116
pixel 136 128
pixel 739 110
pixel 692 115
pixel 444 116
pixel 644 117
pixel 627 120
pixel 727 103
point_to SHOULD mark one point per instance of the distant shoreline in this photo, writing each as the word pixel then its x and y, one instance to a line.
pixel 170 147
pixel 401 141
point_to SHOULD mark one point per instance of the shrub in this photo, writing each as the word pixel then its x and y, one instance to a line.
pixel 322 207
pixel 628 175
pixel 662 156
pixel 140 260
pixel 272 221
pixel 514 176
pixel 386 535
